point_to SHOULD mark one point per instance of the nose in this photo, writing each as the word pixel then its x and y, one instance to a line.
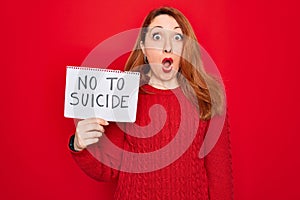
pixel 167 46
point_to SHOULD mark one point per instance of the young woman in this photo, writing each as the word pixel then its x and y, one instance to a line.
pixel 157 157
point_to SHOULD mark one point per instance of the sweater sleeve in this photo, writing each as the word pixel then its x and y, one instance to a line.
pixel 219 167
pixel 91 160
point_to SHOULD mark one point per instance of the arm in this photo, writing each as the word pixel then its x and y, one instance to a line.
pixel 91 158
pixel 219 167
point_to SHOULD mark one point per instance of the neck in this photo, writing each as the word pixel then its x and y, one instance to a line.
pixel 164 85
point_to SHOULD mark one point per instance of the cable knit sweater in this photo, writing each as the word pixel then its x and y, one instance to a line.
pixel 158 155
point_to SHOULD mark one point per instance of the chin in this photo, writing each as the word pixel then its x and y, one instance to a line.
pixel 168 77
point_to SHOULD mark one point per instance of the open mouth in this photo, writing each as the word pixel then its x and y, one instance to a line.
pixel 167 65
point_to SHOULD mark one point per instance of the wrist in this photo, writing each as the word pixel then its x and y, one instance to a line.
pixel 72 144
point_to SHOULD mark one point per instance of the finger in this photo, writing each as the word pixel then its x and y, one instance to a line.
pixel 91 135
pixel 91 127
pixel 91 141
pixel 94 120
pixel 102 122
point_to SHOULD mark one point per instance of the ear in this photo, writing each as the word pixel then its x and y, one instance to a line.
pixel 142 47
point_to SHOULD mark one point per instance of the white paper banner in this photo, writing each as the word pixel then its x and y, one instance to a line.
pixel 108 94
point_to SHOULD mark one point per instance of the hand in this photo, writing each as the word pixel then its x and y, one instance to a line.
pixel 88 131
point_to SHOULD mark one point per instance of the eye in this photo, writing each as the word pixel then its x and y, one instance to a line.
pixel 156 36
pixel 178 37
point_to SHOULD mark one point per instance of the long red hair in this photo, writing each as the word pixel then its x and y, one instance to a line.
pixel 202 89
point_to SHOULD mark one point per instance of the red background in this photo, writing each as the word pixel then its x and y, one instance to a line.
pixel 254 43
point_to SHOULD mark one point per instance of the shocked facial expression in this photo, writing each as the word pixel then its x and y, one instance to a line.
pixel 163 47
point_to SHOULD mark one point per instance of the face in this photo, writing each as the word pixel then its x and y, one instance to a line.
pixel 163 47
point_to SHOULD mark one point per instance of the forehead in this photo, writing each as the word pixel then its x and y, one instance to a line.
pixel 164 21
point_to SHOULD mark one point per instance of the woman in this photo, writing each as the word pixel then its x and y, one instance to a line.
pixel 177 99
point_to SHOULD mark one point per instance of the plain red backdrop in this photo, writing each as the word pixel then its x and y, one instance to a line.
pixel 254 43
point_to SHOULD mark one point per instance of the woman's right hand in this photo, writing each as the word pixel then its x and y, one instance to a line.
pixel 88 131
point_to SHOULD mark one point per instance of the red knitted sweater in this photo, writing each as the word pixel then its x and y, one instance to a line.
pixel 158 155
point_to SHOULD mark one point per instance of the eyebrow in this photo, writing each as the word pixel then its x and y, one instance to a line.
pixel 163 27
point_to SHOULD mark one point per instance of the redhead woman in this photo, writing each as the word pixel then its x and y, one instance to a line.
pixel 157 157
